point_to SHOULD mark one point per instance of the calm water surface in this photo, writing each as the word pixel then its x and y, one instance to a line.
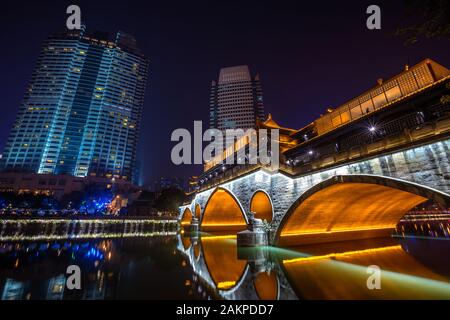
pixel 163 264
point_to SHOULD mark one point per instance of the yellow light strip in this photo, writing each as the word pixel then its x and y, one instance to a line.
pixel 219 237
pixel 340 255
pixel 222 225
pixel 226 284
pixel 100 221
pixel 336 231
pixel 87 236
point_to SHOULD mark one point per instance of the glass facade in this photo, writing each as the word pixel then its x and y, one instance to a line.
pixel 236 100
pixel 81 112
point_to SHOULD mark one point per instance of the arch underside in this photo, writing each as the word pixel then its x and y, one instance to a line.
pixel 346 211
pixel 223 213
pixel 187 217
pixel 197 211
pixel 261 206
pixel 186 241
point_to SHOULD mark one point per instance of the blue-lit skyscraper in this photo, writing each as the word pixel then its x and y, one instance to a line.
pixel 82 110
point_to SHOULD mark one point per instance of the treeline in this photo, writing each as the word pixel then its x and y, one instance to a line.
pixel 90 200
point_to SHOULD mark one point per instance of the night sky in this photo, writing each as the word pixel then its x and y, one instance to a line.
pixel 309 57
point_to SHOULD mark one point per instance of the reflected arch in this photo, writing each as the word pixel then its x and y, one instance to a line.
pixel 197 211
pixel 351 207
pixel 221 259
pixel 223 212
pixel 186 241
pixel 186 217
pixel 196 251
pixel 267 285
pixel 261 205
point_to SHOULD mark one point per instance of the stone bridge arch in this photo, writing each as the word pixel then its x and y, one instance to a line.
pixel 197 211
pixel 347 207
pixel 261 205
pixel 223 212
pixel 186 216
pixel 243 190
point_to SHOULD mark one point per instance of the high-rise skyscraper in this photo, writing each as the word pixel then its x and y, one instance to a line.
pixel 236 99
pixel 81 112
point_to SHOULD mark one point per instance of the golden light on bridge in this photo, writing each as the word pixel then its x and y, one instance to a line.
pixel 225 285
pixel 187 217
pixel 222 212
pixel 261 206
pixel 346 211
pixel 186 242
pixel 196 250
pixel 342 254
pixel 344 275
pixel 197 211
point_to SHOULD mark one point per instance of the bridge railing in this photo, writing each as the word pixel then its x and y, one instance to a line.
pixel 427 131
pixel 231 174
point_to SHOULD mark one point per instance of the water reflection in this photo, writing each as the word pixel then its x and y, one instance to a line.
pixel 144 264
pixel 342 274
pixel 330 271
pixel 127 268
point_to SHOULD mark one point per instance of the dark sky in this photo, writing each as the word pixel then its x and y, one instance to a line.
pixel 309 56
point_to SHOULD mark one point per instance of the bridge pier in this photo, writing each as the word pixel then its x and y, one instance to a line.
pixel 254 236
pixel 194 226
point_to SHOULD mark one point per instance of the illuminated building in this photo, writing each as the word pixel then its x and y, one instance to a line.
pixel 55 287
pixel 82 109
pixel 216 166
pixel 411 80
pixel 236 99
pixel 14 290
pixel 192 183
pixel 396 110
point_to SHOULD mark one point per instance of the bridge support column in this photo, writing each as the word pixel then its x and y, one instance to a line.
pixel 255 235
pixel 194 227
pixel 257 258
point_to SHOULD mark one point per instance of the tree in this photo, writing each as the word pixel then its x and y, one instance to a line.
pixel 92 199
pixel 96 199
pixel 170 199
pixel 71 200
pixel 428 19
